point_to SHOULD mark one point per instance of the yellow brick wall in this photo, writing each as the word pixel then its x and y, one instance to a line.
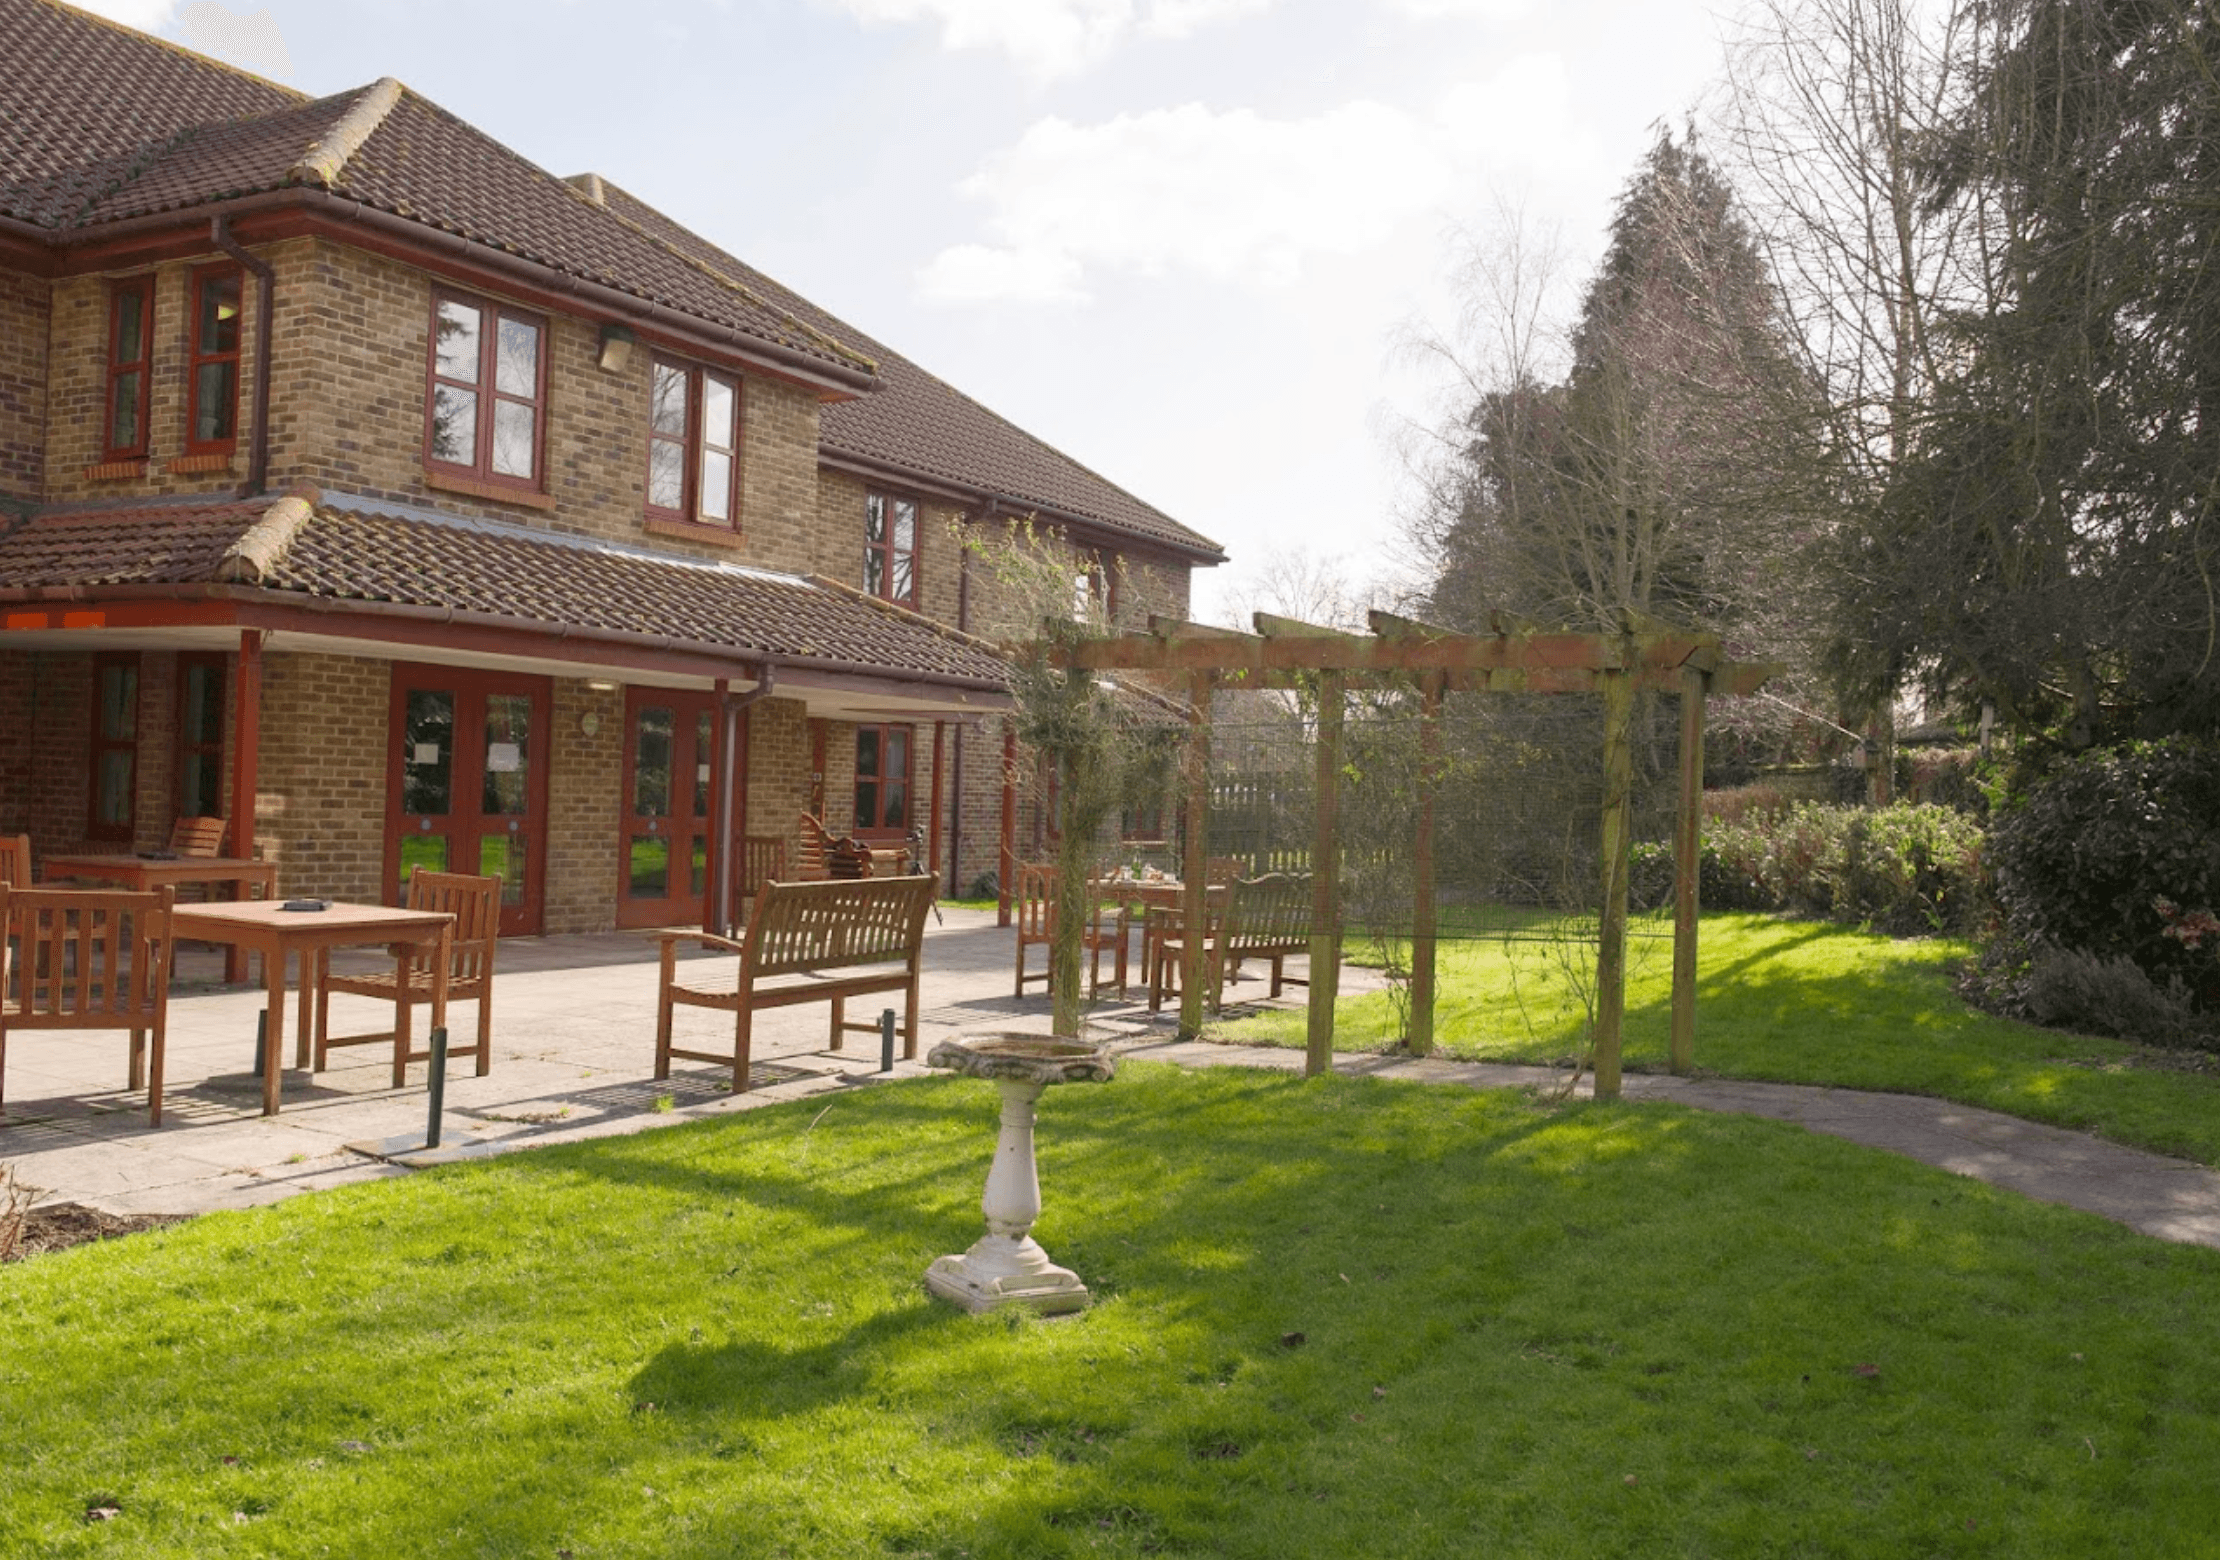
pixel 321 774
pixel 585 776
pixel 77 385
pixel 24 324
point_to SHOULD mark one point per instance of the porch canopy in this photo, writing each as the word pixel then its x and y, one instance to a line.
pixel 349 574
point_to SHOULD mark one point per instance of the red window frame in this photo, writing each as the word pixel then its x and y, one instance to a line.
pixel 486 390
pixel 689 444
pixel 880 552
pixel 120 368
pixel 886 780
pixel 202 354
pixel 103 745
pixel 193 750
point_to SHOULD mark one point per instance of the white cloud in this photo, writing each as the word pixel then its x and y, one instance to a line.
pixel 1235 196
pixel 973 273
pixel 147 15
pixel 249 42
pixel 1478 10
pixel 1047 38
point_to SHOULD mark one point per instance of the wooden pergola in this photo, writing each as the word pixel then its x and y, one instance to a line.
pixel 1284 653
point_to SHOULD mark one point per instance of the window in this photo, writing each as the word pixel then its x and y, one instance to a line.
pixel 1094 590
pixel 693 444
pixel 200 735
pixel 488 392
pixel 130 359
pixel 883 779
pixel 1142 823
pixel 115 748
pixel 212 372
pixel 890 547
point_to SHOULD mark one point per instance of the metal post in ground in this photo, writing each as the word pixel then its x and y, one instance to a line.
pixel 886 1040
pixel 439 1085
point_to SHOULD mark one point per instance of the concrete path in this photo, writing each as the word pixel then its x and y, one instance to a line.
pixel 2171 1199
pixel 574 1044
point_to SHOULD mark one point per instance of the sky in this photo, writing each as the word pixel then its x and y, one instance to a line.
pixel 1187 242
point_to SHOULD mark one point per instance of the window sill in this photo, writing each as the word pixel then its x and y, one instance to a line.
pixel 496 492
pixel 189 465
pixel 692 531
pixel 116 470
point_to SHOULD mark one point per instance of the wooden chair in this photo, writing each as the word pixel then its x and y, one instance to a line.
pixel 1165 946
pixel 1034 909
pixel 871 932
pixel 89 959
pixel 197 837
pixel 475 903
pixel 1266 918
pixel 15 860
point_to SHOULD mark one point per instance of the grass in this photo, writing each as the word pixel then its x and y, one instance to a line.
pixel 1335 1318
pixel 1796 1002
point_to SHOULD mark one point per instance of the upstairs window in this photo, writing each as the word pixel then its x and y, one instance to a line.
pixel 130 361
pixel 1094 590
pixel 890 547
pixel 212 371
pixel 487 399
pixel 693 445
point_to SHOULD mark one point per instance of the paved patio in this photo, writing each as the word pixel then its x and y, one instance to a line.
pixel 574 1044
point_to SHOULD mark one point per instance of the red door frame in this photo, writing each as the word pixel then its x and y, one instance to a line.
pixel 465 817
pixel 682 824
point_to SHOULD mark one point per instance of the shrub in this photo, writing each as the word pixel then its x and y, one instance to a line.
pixel 2082 862
pixel 1913 868
pixel 2068 989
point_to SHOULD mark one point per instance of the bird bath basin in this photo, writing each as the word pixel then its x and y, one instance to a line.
pixel 1006 1266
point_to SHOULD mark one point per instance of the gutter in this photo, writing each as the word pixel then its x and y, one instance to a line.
pixel 265 303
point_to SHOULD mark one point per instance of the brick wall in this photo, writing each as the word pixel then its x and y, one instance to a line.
pixel 837 547
pixel 77 385
pixel 585 776
pixel 321 776
pixel 24 325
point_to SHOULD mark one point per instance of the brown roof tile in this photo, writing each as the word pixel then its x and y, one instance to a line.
pixel 81 98
pixel 371 551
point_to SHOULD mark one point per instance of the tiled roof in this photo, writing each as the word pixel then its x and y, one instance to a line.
pixel 81 98
pixel 371 551
pixel 201 137
pixel 920 423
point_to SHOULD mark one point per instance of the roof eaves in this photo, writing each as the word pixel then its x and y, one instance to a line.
pixel 902 614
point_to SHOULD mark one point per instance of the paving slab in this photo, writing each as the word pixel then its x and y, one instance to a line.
pixel 574 1025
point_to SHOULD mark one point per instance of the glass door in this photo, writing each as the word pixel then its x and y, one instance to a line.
pixel 467 787
pixel 663 844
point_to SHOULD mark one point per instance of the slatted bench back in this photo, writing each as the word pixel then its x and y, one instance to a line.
pixel 799 928
pixel 1267 914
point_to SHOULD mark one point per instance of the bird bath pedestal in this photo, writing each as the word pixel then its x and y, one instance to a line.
pixel 1006 1266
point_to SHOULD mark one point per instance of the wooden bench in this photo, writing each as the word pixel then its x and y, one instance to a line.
pixel 798 933
pixel 1266 918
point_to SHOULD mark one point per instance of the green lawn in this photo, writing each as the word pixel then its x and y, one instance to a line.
pixel 1797 1002
pixel 1337 1318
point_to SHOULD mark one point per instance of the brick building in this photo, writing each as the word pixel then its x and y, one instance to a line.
pixel 366 486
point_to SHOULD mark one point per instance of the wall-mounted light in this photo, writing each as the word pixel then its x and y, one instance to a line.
pixel 616 347
pixel 601 685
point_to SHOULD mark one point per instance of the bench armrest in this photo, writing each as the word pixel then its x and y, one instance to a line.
pixel 707 939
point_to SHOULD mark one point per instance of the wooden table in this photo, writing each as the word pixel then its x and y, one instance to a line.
pixel 266 927
pixel 144 872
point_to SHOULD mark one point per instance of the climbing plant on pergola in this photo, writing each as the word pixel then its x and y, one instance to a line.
pixel 1284 654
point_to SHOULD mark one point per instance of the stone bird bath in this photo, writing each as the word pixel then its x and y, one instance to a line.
pixel 1006 1266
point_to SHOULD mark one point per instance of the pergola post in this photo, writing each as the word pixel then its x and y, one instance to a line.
pixel 1423 909
pixel 1194 967
pixel 246 754
pixel 1618 788
pixel 1325 883
pixel 1687 866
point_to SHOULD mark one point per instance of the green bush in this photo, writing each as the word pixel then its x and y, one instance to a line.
pixel 2067 989
pixel 2082 860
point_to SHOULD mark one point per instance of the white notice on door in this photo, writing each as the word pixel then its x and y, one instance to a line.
pixel 504 758
pixel 425 753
